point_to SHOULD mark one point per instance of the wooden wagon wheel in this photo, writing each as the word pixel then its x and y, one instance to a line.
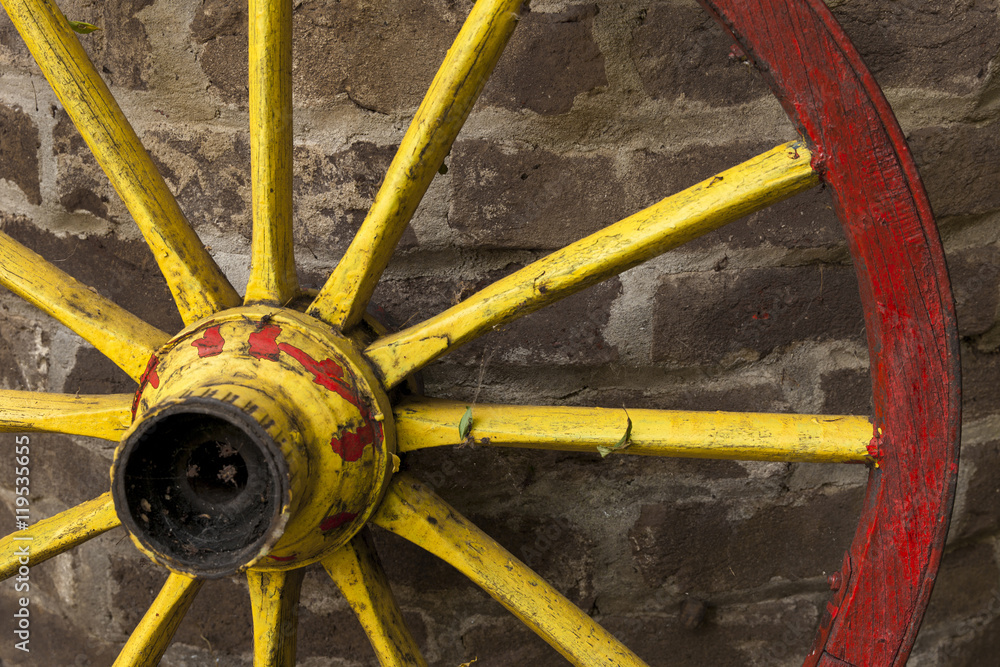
pixel 221 469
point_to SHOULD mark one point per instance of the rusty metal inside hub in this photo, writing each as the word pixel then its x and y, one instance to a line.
pixel 201 486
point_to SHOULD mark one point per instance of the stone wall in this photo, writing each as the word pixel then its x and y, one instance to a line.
pixel 596 110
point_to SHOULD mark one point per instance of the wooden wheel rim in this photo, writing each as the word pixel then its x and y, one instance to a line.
pixel 859 149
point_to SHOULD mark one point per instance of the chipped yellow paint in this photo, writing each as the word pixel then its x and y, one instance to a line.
pixel 152 636
pixel 356 570
pixel 414 512
pixel 456 86
pixel 272 264
pixel 732 194
pixel 282 393
pixel 98 416
pixel 50 537
pixel 274 598
pixel 198 286
pixel 748 436
pixel 116 333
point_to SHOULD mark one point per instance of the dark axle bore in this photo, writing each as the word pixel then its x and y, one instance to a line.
pixel 201 484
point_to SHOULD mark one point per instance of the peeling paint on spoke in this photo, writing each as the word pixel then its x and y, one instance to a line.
pixel 50 537
pixel 757 183
pixel 274 597
pixel 356 570
pixel 272 265
pixel 104 417
pixel 748 436
pixel 116 333
pixel 152 636
pixel 455 88
pixel 414 512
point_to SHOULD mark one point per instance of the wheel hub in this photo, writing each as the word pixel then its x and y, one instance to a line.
pixel 260 439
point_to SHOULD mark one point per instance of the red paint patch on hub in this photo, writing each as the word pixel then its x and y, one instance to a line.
pixel 284 559
pixel 350 445
pixel 210 344
pixel 263 343
pixel 148 376
pixel 336 521
pixel 327 373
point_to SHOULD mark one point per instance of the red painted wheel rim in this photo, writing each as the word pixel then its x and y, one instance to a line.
pixel 861 154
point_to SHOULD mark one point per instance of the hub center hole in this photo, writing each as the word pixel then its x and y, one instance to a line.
pixel 199 484
pixel 216 471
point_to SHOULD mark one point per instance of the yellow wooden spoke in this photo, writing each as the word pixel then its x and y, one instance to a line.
pixel 197 284
pixel 50 537
pixel 748 436
pixel 272 264
pixel 456 86
pixel 104 417
pixel 274 597
pixel 414 512
pixel 153 634
pixel 356 570
pixel 755 184
pixel 118 334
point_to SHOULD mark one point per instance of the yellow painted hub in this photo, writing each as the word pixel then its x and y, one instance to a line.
pixel 260 439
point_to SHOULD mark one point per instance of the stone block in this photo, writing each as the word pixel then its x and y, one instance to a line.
pixel 765 632
pixel 137 581
pixel 946 156
pixel 82 184
pixel 715 392
pixel 222 28
pixel 520 197
pixel 981 514
pixel 220 614
pixel 19 146
pixel 338 633
pixel 382 56
pixel 551 58
pixel 969 579
pixel 696 548
pixel 942 45
pixel 980 649
pixel 505 641
pixel 11 376
pixel 506 197
pixel 980 389
pixel 975 281
pixel 61 468
pixel 680 52
pixel 120 49
pixel 804 221
pixel 14 54
pixel 219 618
pixel 77 644
pixel 209 174
pixel 847 391
pixel 93 373
pixel 333 193
pixel 708 317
